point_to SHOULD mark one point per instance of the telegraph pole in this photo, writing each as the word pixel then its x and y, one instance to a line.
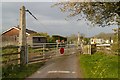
pixel 22 37
pixel 78 41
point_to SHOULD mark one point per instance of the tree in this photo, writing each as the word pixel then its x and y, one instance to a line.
pixel 72 38
pixel 105 36
pixel 98 13
pixel 40 34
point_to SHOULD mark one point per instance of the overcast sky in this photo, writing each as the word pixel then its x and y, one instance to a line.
pixel 50 20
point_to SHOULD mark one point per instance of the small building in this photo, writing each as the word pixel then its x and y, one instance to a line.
pixel 59 39
pixel 11 37
pixel 36 40
pixel 14 31
pixel 96 41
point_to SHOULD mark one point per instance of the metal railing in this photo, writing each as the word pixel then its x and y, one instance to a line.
pixel 42 51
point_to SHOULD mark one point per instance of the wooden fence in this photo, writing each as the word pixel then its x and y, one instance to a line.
pixel 10 55
pixel 39 52
pixel 5 55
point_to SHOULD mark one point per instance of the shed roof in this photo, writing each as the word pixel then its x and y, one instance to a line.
pixel 58 36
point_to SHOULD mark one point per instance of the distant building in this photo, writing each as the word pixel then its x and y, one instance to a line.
pixel 59 39
pixel 96 41
pixel 100 41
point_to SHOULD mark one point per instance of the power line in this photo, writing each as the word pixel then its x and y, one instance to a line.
pixel 34 17
pixel 31 14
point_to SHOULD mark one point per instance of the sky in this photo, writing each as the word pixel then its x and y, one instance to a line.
pixel 50 19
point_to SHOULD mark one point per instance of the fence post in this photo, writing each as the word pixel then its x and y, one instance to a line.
pixel 93 48
pixel 57 46
pixel 43 51
pixel 89 49
pixel 27 54
pixel 18 55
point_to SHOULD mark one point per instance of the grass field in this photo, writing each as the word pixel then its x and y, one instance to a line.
pixel 20 73
pixel 99 65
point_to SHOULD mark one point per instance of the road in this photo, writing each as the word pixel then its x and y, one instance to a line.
pixel 64 66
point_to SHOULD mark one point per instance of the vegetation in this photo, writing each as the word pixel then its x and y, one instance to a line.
pixel 99 65
pixel 99 13
pixel 15 71
pixel 87 40
pixel 72 38
pixel 9 50
pixel 40 34
pixel 105 36
pixel 115 46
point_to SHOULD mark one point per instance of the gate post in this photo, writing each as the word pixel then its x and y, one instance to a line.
pixel 43 50
pixel 93 48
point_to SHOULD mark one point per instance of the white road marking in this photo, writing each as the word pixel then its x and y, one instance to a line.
pixel 66 72
pixel 63 71
pixel 73 52
pixel 73 72
pixel 38 71
pixel 58 71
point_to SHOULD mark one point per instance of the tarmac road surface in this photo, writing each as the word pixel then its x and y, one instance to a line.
pixel 65 66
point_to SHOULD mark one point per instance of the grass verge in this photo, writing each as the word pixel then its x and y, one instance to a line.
pixel 20 73
pixel 99 65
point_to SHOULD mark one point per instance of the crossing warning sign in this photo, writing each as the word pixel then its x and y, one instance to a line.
pixel 62 50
